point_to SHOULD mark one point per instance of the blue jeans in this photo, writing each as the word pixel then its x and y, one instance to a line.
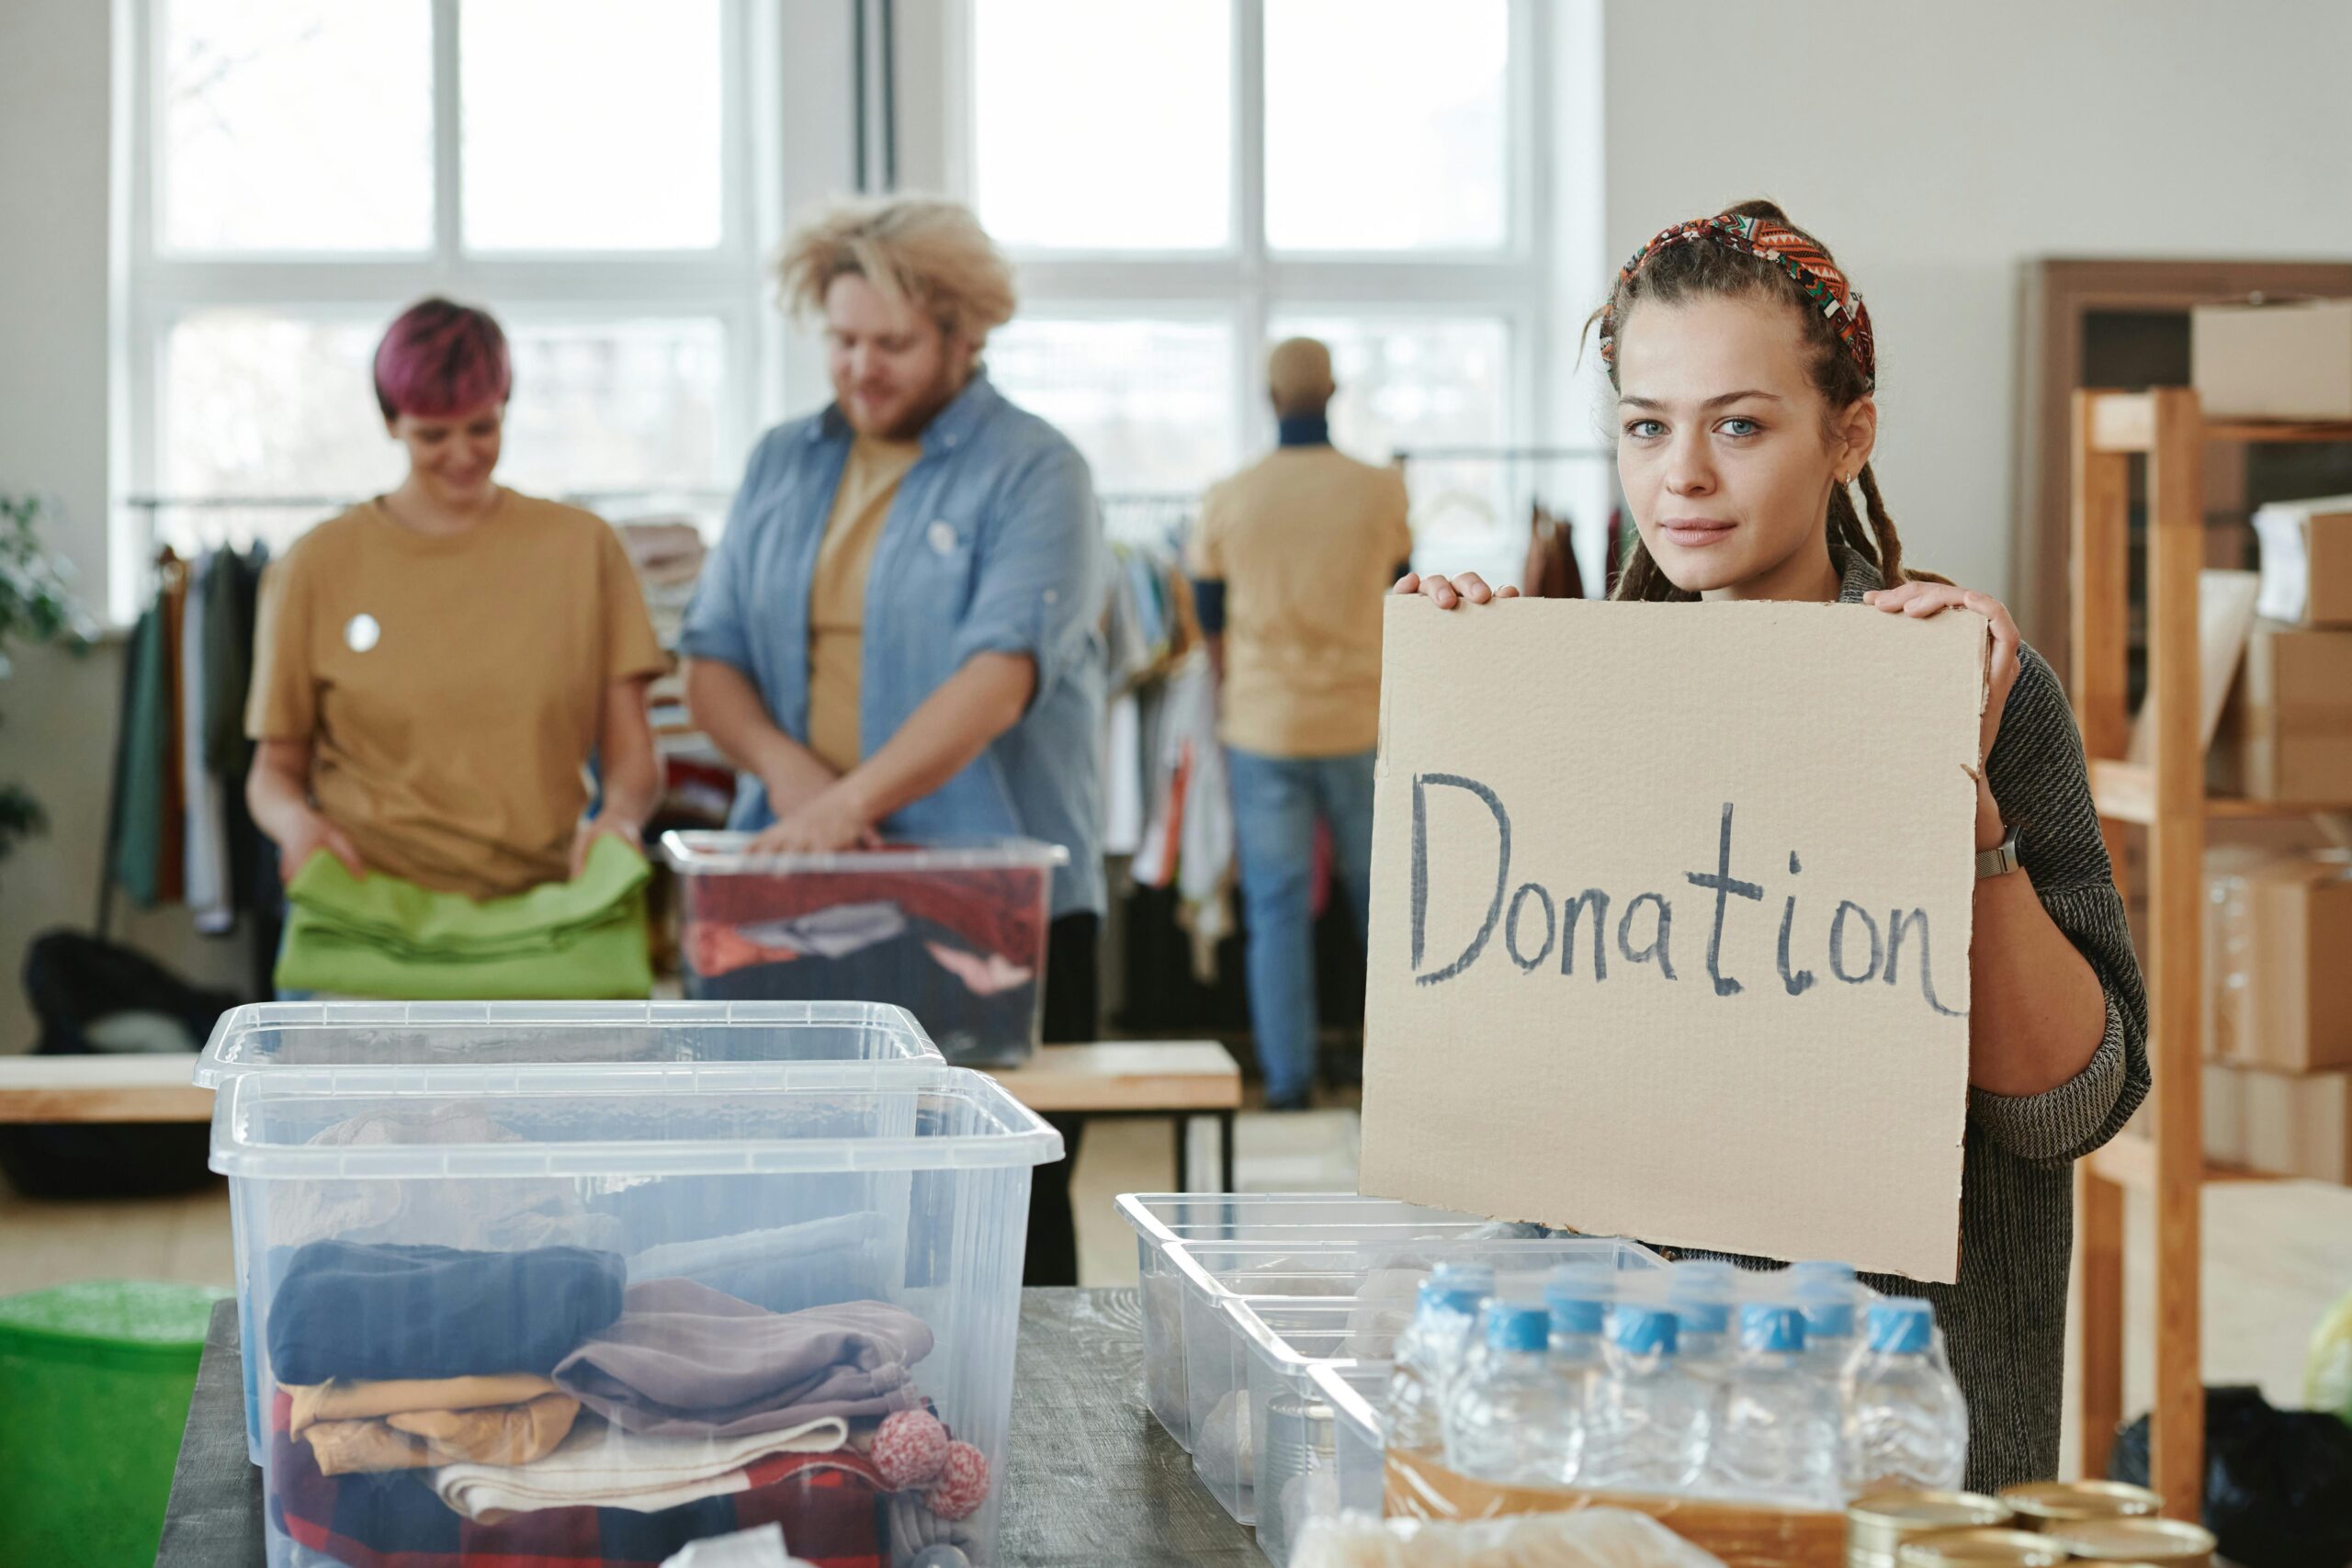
pixel 1276 802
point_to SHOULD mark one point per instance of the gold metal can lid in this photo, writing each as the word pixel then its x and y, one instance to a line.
pixel 2010 1548
pixel 1877 1524
pixel 2171 1542
pixel 2049 1502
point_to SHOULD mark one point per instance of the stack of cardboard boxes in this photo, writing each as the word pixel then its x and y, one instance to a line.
pixel 2278 933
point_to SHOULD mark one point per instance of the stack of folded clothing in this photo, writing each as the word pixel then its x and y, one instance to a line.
pixel 440 1406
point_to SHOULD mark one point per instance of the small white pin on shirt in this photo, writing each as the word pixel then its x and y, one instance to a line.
pixel 362 633
pixel 943 537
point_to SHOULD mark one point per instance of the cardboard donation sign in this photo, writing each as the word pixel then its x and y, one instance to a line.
pixel 1670 918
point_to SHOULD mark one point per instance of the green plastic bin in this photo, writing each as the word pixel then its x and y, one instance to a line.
pixel 95 1382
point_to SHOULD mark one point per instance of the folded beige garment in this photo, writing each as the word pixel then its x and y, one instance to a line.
pixel 359 1401
pixel 415 1439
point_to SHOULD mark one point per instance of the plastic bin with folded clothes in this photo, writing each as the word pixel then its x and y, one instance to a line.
pixel 955 934
pixel 1344 1300
pixel 596 1323
pixel 406 1047
pixel 1159 1218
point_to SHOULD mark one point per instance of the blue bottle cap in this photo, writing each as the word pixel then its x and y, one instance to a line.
pixel 1514 1326
pixel 1642 1329
pixel 1578 1295
pixel 1700 1315
pixel 1578 1315
pixel 1439 1294
pixel 1777 1330
pixel 1828 1314
pixel 1902 1326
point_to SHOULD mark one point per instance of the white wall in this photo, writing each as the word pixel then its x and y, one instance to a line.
pixel 58 711
pixel 1934 148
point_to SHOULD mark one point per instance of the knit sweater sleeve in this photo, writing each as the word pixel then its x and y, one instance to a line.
pixel 2043 786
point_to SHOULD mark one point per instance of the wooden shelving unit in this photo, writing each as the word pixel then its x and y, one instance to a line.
pixel 2166 796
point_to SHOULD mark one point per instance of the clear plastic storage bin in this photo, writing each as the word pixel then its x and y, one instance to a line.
pixel 458 1047
pixel 707 1303
pixel 1340 1299
pixel 1357 1394
pixel 1159 1218
pixel 953 933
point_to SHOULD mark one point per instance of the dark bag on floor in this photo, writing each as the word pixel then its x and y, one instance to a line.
pixel 75 983
pixel 2278 1482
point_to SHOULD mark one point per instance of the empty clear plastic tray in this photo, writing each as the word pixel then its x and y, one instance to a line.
pixel 957 932
pixel 1328 1293
pixel 459 1047
pixel 907 1186
pixel 1158 1218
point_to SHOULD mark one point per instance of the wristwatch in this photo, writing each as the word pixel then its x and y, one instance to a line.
pixel 2000 860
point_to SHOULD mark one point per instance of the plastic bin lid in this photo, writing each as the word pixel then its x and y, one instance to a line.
pixel 121 1322
pixel 1170 1216
pixel 716 854
pixel 406 1038
pixel 926 1117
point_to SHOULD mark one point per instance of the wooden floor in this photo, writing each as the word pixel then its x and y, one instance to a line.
pixel 2277 1254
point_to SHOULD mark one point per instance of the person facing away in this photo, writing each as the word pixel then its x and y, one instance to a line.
pixel 900 633
pixel 434 668
pixel 1744 368
pixel 1292 560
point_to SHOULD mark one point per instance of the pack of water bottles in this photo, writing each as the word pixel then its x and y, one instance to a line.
pixel 1797 1388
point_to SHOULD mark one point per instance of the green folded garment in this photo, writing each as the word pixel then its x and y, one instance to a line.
pixel 379 936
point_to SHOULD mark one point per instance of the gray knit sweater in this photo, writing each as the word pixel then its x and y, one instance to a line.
pixel 2005 1318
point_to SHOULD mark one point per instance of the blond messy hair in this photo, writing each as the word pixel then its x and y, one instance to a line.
pixel 929 252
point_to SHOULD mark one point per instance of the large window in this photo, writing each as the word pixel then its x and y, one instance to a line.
pixel 303 171
pixel 1185 181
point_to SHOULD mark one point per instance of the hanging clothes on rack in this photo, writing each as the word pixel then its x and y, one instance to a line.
pixel 1551 572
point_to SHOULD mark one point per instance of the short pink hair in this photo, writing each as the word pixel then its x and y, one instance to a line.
pixel 441 358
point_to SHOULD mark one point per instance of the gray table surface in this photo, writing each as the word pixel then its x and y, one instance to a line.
pixel 1091 1479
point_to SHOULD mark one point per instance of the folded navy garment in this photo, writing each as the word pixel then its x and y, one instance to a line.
pixel 365 1310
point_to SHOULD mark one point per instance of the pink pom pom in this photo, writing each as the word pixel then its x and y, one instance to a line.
pixel 963 1484
pixel 911 1449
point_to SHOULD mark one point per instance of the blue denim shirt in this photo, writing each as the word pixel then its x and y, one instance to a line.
pixel 993 544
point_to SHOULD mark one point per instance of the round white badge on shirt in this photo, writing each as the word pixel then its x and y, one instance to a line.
pixel 943 537
pixel 362 633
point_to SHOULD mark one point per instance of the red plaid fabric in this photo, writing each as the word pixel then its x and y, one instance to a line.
pixel 997 910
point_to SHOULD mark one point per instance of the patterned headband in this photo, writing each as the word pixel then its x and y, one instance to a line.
pixel 1808 265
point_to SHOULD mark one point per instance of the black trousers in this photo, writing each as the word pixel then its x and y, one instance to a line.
pixel 1072 1016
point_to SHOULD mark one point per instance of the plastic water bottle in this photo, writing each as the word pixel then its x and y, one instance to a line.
pixel 1829 1324
pixel 1427 1354
pixel 1905 1424
pixel 1648 1423
pixel 1815 1271
pixel 1514 1421
pixel 1578 1295
pixel 1776 1438
pixel 1701 1297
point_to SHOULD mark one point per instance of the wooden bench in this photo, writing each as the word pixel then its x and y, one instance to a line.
pixel 1175 1079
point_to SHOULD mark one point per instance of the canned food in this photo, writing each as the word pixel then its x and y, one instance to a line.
pixel 1878 1525
pixel 2170 1543
pixel 2045 1505
pixel 2008 1549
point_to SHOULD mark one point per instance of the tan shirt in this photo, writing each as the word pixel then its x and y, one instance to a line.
pixel 1307 542
pixel 452 688
pixel 837 596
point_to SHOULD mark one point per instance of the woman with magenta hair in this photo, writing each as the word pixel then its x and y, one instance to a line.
pixel 434 668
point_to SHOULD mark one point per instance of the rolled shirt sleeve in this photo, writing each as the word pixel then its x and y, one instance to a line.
pixel 718 621
pixel 2043 786
pixel 1041 574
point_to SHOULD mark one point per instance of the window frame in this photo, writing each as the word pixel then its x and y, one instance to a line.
pixel 1248 282
pixel 158 287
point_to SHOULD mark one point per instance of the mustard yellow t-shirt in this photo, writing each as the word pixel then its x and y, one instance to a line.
pixel 1307 542
pixel 837 596
pixel 451 687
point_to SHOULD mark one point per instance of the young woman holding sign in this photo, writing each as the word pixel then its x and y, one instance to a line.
pixel 1744 369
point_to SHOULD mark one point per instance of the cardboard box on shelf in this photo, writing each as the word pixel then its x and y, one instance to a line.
pixel 2306 561
pixel 2225 1139
pixel 2278 951
pixel 2299 1124
pixel 2287 732
pixel 2287 361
